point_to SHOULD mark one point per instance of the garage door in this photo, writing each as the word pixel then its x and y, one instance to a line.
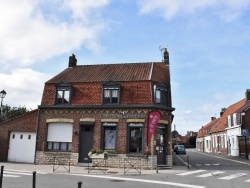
pixel 22 147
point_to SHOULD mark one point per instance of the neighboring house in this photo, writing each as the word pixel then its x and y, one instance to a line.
pixel 218 133
pixel 239 127
pixel 203 141
pixel 18 138
pixel 108 107
pixel 226 134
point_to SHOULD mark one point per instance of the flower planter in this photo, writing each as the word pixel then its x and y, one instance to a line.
pixel 97 156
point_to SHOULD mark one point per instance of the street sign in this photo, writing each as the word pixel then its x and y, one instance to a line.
pixel 244 132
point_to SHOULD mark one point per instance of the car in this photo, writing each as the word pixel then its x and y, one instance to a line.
pixel 180 149
pixel 176 146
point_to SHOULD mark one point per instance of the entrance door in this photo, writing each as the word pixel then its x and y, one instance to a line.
pixel 86 143
pixel 161 144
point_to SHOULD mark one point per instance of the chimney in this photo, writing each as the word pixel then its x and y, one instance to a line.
pixel 222 111
pixel 72 61
pixel 213 118
pixel 248 94
pixel 165 58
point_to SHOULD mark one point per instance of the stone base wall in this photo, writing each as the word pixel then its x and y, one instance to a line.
pixel 113 161
pixel 49 158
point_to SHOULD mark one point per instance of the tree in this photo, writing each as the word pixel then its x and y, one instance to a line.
pixel 8 112
pixel 192 140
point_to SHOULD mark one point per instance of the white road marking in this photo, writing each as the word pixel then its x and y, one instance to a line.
pixel 192 172
pixel 10 176
pixel 233 176
pixel 25 171
pixel 20 173
pixel 210 174
pixel 247 180
pixel 144 181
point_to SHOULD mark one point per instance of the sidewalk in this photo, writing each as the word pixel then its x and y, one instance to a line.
pixel 47 169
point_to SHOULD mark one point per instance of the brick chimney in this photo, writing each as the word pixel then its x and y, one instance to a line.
pixel 222 111
pixel 248 94
pixel 72 61
pixel 165 56
pixel 213 118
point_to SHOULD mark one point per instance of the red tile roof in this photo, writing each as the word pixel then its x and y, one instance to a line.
pixel 207 128
pixel 230 110
pixel 113 72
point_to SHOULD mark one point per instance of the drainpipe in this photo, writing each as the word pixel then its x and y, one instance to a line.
pixel 37 128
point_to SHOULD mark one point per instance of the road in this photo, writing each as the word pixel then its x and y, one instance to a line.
pixel 204 171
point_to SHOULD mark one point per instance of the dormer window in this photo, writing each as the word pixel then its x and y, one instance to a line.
pixel 161 93
pixel 111 93
pixel 63 93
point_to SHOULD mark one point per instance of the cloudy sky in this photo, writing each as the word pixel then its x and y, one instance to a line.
pixel 208 42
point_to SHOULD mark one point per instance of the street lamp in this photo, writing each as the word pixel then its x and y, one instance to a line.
pixel 2 95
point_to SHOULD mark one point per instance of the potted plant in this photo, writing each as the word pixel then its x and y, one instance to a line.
pixel 98 154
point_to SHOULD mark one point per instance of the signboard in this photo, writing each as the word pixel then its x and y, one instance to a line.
pixel 153 119
pixel 244 132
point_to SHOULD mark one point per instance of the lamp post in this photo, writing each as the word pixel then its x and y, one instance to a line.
pixel 2 95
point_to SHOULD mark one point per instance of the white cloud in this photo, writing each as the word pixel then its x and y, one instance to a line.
pixel 30 31
pixel 24 87
pixel 227 10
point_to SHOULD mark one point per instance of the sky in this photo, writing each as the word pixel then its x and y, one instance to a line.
pixel 208 43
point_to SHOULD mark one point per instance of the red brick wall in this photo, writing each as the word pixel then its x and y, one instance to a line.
pixel 24 123
pixel 91 93
pixel 77 114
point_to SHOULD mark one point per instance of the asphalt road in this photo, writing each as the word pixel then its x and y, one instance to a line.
pixel 204 171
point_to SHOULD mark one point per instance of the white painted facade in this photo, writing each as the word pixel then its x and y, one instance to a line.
pixel 207 144
pixel 233 131
pixel 22 147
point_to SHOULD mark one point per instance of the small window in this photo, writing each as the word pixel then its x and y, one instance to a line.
pixel 21 136
pixel 29 137
pixel 161 93
pixel 111 93
pixel 13 136
pixel 63 93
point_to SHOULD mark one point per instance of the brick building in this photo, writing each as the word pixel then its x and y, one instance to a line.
pixel 18 138
pixel 107 107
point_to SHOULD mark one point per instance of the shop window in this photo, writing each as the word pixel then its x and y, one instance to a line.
pixel 21 136
pixel 135 137
pixel 59 137
pixel 109 136
pixel 161 93
pixel 29 137
pixel 111 93
pixel 63 93
pixel 13 136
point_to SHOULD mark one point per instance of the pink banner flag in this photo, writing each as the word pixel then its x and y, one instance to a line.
pixel 153 119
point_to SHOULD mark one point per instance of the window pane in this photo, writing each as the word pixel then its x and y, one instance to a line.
pixel 69 146
pixel 64 146
pixel 49 145
pixel 66 97
pixel 59 96
pixel 109 137
pixel 157 96
pixel 135 144
pixel 164 97
pixel 56 145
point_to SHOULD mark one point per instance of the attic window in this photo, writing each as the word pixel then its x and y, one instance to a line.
pixel 63 93
pixel 111 93
pixel 161 93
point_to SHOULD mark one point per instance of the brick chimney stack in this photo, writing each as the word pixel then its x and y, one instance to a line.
pixel 213 118
pixel 248 94
pixel 222 111
pixel 72 61
pixel 165 56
